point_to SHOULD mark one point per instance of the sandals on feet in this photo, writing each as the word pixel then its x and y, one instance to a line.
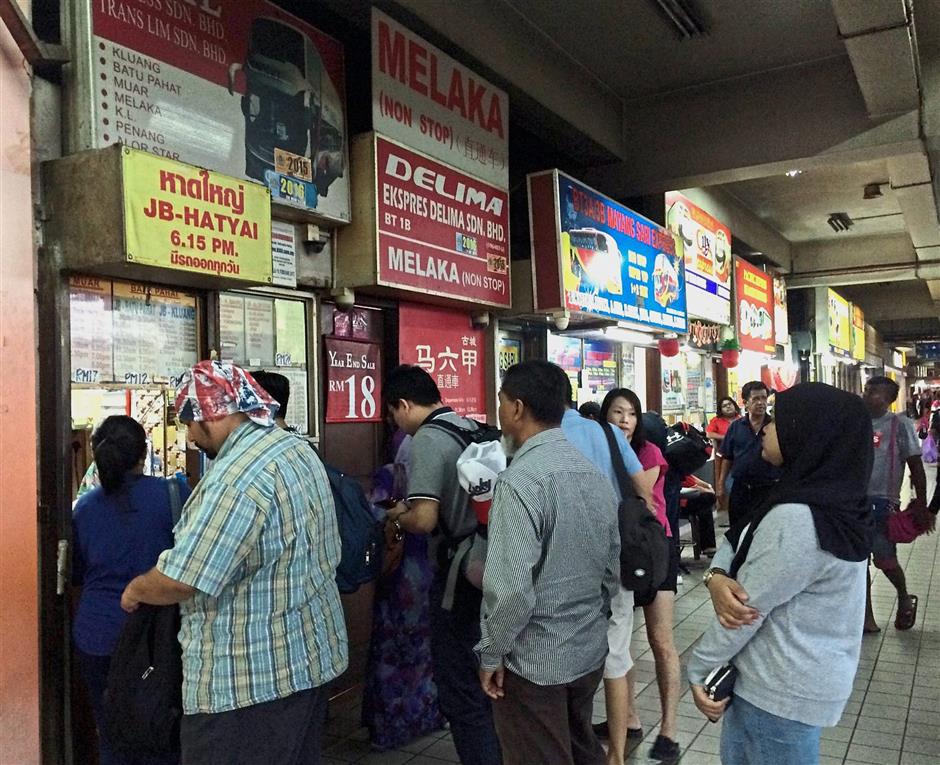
pixel 906 618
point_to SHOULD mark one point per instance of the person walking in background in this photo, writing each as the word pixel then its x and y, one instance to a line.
pixel 895 445
pixel 789 588
pixel 544 623
pixel 751 476
pixel 716 430
pixel 254 568
pixel 621 408
pixel 118 529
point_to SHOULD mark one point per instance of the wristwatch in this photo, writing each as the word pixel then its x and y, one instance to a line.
pixel 710 573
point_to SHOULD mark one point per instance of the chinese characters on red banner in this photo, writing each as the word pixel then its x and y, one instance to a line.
pixel 445 344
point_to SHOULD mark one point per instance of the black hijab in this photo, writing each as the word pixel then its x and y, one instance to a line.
pixel 825 437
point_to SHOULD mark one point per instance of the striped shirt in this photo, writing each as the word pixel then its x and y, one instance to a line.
pixel 258 539
pixel 552 565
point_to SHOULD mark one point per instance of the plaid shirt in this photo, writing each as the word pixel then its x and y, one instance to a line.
pixel 258 539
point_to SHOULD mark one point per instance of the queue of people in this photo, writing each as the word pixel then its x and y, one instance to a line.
pixel 517 658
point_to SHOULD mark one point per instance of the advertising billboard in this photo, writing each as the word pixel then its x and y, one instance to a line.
pixel 592 254
pixel 440 231
pixel 754 294
pixel 840 325
pixel 704 244
pixel 353 381
pixel 427 100
pixel 858 333
pixel 237 86
pixel 781 320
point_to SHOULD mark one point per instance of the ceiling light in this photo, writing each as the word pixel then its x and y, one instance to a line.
pixel 872 190
pixel 793 173
pixel 840 221
pixel 621 335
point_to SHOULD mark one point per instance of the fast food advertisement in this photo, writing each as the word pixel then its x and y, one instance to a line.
pixel 593 255
pixel 241 87
pixel 754 293
pixel 840 325
pixel 704 244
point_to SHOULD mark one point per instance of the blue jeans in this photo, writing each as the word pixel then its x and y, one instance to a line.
pixel 751 736
pixel 453 635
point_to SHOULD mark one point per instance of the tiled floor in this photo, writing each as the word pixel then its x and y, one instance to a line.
pixel 893 717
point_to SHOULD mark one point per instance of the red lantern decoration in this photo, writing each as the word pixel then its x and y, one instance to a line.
pixel 669 346
pixel 729 358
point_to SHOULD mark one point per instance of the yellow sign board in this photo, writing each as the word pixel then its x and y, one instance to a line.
pixel 183 217
pixel 858 334
pixel 840 325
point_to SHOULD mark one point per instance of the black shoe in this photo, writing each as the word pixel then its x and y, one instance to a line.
pixel 665 750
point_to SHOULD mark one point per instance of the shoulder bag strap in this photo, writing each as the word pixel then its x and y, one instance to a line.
pixel 892 454
pixel 176 504
pixel 620 470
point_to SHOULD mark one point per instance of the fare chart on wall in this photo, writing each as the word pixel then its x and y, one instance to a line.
pixel 237 86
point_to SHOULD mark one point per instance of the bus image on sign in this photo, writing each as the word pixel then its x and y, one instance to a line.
pixel 595 260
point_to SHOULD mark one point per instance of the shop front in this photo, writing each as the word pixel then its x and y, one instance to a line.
pixel 841 339
pixel 618 282
pixel 192 219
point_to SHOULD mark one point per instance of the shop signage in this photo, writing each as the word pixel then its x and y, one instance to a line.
pixel 755 304
pixel 704 243
pixel 425 99
pixel 781 320
pixel 445 344
pixel 858 334
pixel 600 366
pixel 440 231
pixel 673 391
pixel 704 335
pixel 594 255
pixel 238 86
pixel 182 217
pixel 840 325
pixel 780 377
pixel 130 333
pixel 353 381
pixel 566 352
pixel 927 352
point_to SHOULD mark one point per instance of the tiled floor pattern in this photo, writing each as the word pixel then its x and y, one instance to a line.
pixel 893 717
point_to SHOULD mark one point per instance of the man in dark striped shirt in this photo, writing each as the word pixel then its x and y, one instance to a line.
pixel 552 568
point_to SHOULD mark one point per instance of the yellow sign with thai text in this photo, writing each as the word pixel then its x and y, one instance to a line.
pixel 183 217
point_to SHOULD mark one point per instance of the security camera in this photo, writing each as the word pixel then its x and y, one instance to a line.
pixel 345 298
pixel 481 320
pixel 561 320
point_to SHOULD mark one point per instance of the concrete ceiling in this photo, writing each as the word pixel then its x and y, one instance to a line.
pixel 631 48
pixel 799 206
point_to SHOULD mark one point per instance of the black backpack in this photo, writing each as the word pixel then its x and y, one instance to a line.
pixel 472 547
pixel 143 702
pixel 687 449
pixel 360 533
pixel 644 547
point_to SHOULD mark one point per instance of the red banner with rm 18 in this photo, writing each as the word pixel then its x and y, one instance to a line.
pixel 440 231
pixel 353 381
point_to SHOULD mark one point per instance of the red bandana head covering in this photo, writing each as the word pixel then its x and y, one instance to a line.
pixel 212 390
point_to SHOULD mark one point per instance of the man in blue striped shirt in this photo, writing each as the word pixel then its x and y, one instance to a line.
pixel 253 568
pixel 552 569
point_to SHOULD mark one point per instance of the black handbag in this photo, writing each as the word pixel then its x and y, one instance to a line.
pixel 687 449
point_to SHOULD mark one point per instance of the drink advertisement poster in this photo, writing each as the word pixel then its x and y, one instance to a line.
pixel 178 216
pixel 440 231
pixel 445 344
pixel 840 324
pixel 237 86
pixel 593 255
pixel 858 334
pixel 704 244
pixel 427 100
pixel 754 293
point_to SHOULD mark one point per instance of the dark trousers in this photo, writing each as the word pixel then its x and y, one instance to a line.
pixel 745 498
pixel 287 731
pixel 94 672
pixel 548 724
pixel 699 505
pixel 468 710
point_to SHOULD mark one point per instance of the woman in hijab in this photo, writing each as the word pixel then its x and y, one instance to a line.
pixel 789 589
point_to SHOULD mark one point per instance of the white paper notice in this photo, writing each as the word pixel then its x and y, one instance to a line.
pixel 90 329
pixel 284 254
pixel 232 328
pixel 297 407
pixel 259 331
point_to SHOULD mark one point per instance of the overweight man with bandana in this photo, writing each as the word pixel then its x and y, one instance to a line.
pixel 253 569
